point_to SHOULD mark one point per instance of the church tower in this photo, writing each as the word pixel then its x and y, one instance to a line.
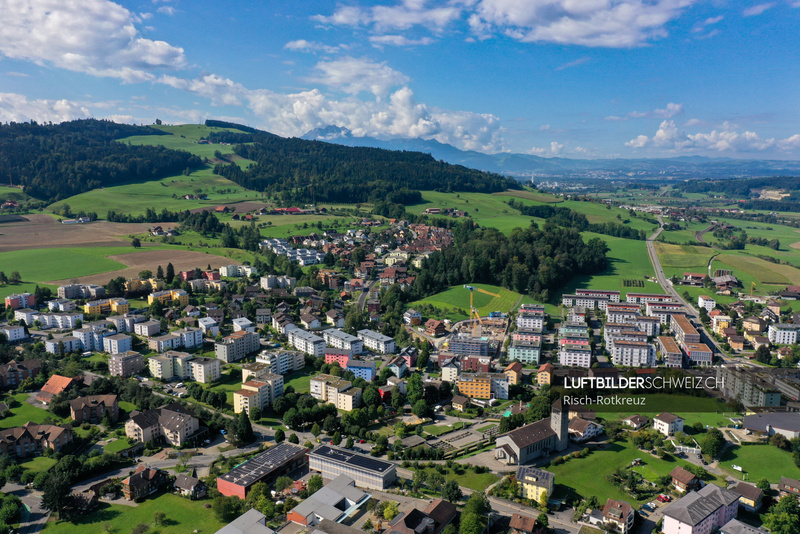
pixel 559 422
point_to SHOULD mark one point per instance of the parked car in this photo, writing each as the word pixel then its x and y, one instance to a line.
pixel 664 498
pixel 362 441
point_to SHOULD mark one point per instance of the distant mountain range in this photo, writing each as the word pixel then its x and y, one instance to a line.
pixel 524 166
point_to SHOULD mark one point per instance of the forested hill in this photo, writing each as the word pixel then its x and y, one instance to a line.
pixel 315 171
pixel 56 161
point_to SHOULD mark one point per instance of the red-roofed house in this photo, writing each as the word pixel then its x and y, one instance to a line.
pixel 55 385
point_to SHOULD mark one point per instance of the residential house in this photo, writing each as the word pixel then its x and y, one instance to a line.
pixel 55 385
pixel 636 421
pixel 14 373
pixel 143 482
pixel 535 483
pixel 32 439
pixel 618 516
pixel 581 430
pixel 191 487
pixel 667 423
pixel 514 373
pixel 684 480
pixel 522 524
pixel 94 408
pixel 750 497
pixel 459 402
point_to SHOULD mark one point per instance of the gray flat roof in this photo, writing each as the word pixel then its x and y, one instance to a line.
pixel 351 459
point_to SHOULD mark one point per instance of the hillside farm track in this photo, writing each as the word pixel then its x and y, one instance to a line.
pixel 182 260
pixel 43 231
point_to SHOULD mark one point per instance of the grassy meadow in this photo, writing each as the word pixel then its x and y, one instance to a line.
pixel 134 199
pixel 457 298
pixel 759 461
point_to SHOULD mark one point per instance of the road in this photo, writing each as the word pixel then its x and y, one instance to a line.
pixel 362 298
pixel 692 314
pixel 32 500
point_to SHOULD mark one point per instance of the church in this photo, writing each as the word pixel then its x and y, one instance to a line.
pixel 537 439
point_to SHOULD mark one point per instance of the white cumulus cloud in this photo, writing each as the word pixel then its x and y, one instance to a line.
pixel 728 138
pixel 601 23
pixel 302 45
pixel 398 40
pixel 18 108
pixel 401 16
pixel 356 75
pixel 93 36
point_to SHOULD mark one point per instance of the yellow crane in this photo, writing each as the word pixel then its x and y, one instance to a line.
pixel 473 311
pixel 752 287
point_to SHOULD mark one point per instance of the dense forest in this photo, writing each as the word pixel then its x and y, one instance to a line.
pixel 741 187
pixel 301 171
pixel 570 218
pixel 56 161
pixel 532 261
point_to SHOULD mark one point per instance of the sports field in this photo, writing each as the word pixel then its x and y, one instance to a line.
pixel 457 298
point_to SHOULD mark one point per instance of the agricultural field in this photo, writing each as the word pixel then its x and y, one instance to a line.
pixel 42 230
pixel 183 516
pixel 687 234
pixel 760 461
pixel 602 213
pixel 166 193
pixel 457 298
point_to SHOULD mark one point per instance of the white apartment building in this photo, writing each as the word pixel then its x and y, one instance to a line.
pixel 571 355
pixel 783 333
pixel 236 271
pixel 117 344
pixel 307 342
pixel 282 362
pixel 706 302
pixel 14 333
pixel 377 342
pixel 342 340
pixel 634 354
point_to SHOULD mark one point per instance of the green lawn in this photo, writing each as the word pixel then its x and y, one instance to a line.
pixel 703 409
pixel 587 476
pixel 39 464
pixel 468 478
pixel 117 445
pixel 158 194
pixel 760 461
pixel 127 406
pixel 457 298
pixel 183 516
pixel 438 430
pixel 485 428
pixel 300 380
pixel 25 413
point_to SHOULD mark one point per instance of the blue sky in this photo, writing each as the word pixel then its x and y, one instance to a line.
pixel 570 78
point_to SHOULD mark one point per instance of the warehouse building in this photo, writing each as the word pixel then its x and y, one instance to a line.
pixel 276 461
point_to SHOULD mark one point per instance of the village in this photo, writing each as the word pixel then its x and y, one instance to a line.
pixel 235 373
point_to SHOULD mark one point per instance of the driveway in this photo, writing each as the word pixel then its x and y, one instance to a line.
pixel 37 516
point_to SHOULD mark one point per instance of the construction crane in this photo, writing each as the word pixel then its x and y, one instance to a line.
pixel 752 286
pixel 473 311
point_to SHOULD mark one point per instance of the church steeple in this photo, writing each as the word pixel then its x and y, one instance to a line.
pixel 559 422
